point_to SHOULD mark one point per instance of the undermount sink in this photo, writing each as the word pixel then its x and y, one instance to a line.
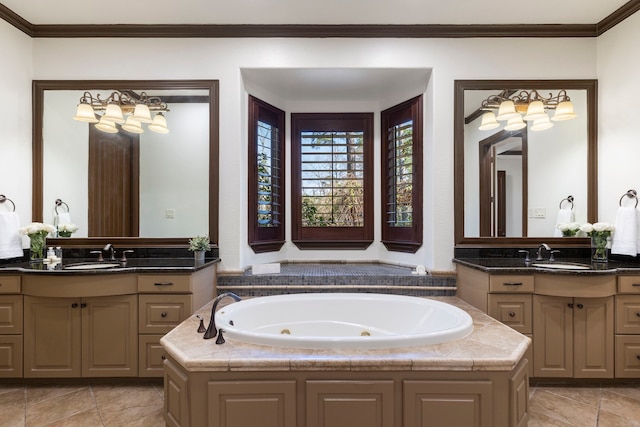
pixel 562 266
pixel 90 266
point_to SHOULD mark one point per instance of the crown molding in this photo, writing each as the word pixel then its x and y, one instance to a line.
pixel 622 13
pixel 319 31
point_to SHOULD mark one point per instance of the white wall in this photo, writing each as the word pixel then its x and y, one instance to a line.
pixel 618 136
pixel 223 59
pixel 16 73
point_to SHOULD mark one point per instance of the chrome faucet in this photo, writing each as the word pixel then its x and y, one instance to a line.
pixel 212 331
pixel 112 251
pixel 539 253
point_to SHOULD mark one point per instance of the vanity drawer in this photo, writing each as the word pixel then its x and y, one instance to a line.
pixel 11 314
pixel 627 314
pixel 629 284
pixel 627 356
pixel 9 284
pixel 510 283
pixel 512 310
pixel 164 283
pixel 158 314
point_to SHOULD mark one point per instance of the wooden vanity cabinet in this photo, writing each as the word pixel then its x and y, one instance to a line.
pixel 10 327
pixel 627 339
pixel 573 337
pixel 165 301
pixel 81 336
pixel 505 297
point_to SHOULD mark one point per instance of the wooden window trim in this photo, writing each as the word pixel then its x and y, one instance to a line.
pixel 331 237
pixel 264 239
pixel 403 239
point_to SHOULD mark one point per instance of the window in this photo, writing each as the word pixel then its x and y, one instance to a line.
pixel 332 180
pixel 402 172
pixel 266 176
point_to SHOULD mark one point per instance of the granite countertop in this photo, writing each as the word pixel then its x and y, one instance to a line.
pixel 133 265
pixel 518 266
pixel 491 346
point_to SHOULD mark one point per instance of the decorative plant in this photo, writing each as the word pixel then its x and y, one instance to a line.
pixel 65 230
pixel 37 233
pixel 199 243
pixel 569 229
pixel 600 232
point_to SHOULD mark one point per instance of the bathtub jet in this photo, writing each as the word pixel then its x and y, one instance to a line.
pixel 343 321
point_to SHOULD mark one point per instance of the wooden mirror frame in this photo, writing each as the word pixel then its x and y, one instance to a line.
pixel 38 89
pixel 591 87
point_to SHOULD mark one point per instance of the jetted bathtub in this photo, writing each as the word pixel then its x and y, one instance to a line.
pixel 343 321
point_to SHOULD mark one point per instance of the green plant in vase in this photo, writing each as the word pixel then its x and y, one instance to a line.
pixel 569 229
pixel 600 233
pixel 66 230
pixel 37 233
pixel 199 245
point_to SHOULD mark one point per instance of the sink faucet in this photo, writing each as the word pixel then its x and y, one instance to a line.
pixel 212 331
pixel 112 251
pixel 539 253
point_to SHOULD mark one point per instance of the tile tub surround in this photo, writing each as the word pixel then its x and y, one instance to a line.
pixel 491 346
pixel 338 277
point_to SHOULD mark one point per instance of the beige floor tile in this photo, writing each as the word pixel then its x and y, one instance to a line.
pixel 82 419
pixel 39 393
pixel 620 404
pixel 587 395
pixel 58 407
pixel 607 419
pixel 563 410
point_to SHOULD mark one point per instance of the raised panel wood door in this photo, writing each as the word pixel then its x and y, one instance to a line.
pixel 113 184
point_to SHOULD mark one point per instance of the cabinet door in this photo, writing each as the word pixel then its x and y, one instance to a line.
pixel 251 403
pixel 350 403
pixel 593 323
pixel 552 336
pixel 627 356
pixel 110 336
pixel 447 403
pixel 51 337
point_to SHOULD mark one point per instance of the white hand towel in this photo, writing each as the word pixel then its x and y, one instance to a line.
pixel 564 216
pixel 10 239
pixel 63 218
pixel 625 236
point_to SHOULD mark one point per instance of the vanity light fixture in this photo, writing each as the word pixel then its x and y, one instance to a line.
pixel 114 108
pixel 525 106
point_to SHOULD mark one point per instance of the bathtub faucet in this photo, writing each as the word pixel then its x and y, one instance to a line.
pixel 212 331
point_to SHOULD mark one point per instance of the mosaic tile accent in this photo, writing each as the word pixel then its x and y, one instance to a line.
pixel 338 277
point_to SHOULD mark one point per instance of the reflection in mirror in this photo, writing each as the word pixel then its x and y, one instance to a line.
pixel 138 186
pixel 509 183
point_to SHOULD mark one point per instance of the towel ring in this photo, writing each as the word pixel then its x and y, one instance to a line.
pixel 59 202
pixel 632 194
pixel 4 198
pixel 568 199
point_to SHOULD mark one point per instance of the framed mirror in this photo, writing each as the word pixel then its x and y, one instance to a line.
pixel 171 185
pixel 509 185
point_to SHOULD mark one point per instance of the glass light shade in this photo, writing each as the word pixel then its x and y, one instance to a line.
pixel 564 111
pixel 132 125
pixel 541 124
pixel 159 124
pixel 515 123
pixel 142 114
pixel 106 125
pixel 535 111
pixel 85 113
pixel 114 114
pixel 506 111
pixel 488 121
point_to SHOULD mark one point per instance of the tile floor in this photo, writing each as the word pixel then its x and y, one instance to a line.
pixel 128 405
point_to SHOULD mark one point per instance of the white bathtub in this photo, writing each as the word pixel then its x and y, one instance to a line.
pixel 341 320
